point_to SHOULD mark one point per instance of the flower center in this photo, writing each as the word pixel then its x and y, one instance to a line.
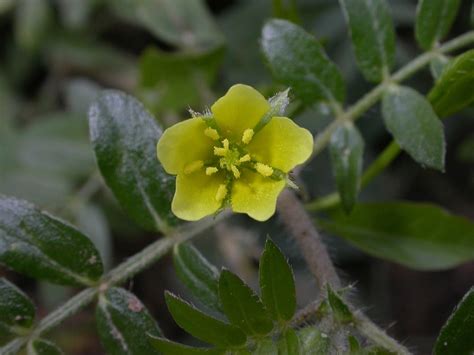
pixel 230 157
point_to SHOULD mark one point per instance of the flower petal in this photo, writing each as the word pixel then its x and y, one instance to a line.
pixel 256 195
pixel 195 195
pixel 184 143
pixel 281 144
pixel 240 108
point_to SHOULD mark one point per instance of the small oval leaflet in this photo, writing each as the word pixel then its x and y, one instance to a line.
pixel 123 323
pixel 17 312
pixel 124 137
pixel 39 245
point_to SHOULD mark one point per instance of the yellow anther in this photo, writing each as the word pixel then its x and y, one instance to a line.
pixel 194 166
pixel 225 143
pixel 211 170
pixel 263 169
pixel 221 193
pixel 211 133
pixel 244 159
pixel 235 171
pixel 221 152
pixel 247 136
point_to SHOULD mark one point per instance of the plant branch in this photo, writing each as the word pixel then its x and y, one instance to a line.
pixel 371 98
pixel 121 273
pixel 300 226
pixel 384 159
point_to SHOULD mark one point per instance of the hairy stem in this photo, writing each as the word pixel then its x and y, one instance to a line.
pixel 121 273
pixel 300 226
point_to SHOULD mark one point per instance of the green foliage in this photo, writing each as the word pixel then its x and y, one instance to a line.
pixel 197 274
pixel 277 283
pixel 414 125
pixel 124 137
pixel 242 306
pixel 341 311
pixel 168 347
pixel 313 342
pixel 373 36
pixel 289 343
pixel 17 312
pixel 43 347
pixel 202 326
pixel 184 23
pixel 346 150
pixel 177 80
pixel 453 90
pixel 298 60
pixel 123 323
pixel 32 20
pixel 39 245
pixel 455 337
pixel 420 236
pixel 433 20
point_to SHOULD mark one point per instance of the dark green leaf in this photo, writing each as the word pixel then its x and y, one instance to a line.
pixel 433 20
pixel 373 36
pixel 177 80
pixel 289 343
pixel 454 90
pixel 31 22
pixel 420 236
pixel 277 284
pixel 242 306
pixel 340 310
pixel 124 137
pixel 346 149
pixel 298 60
pixel 17 312
pixel 43 347
pixel 168 347
pixel 313 342
pixel 123 323
pixel 197 274
pixel 265 346
pixel 185 23
pixel 414 125
pixel 39 245
pixel 354 346
pixel 456 337
pixel 202 326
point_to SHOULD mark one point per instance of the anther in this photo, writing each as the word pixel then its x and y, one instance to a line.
pixel 211 133
pixel 221 152
pixel 247 136
pixel 263 169
pixel 221 193
pixel 244 159
pixel 235 171
pixel 194 166
pixel 211 170
pixel 225 143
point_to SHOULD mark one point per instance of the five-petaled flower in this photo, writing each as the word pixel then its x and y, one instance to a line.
pixel 230 159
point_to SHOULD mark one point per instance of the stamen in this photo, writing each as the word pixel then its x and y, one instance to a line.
pixel 263 169
pixel 225 143
pixel 244 159
pixel 194 166
pixel 235 171
pixel 211 170
pixel 211 133
pixel 221 193
pixel 221 152
pixel 247 136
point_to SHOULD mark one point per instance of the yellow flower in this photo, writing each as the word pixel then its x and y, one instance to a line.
pixel 236 157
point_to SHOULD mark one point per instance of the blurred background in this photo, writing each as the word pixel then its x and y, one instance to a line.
pixel 56 55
